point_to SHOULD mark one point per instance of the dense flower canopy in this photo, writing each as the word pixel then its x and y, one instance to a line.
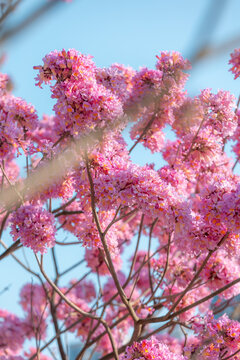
pixel 160 242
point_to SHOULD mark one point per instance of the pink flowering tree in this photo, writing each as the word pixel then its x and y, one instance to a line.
pixel 160 244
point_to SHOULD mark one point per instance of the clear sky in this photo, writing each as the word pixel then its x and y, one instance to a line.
pixel 130 32
pixel 127 32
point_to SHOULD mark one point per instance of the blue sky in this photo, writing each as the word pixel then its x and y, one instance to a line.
pixel 127 32
pixel 130 32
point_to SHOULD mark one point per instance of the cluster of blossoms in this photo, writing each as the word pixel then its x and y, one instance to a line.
pixel 149 350
pixel 34 226
pixel 235 62
pixel 217 338
pixel 82 102
pixel 158 243
pixel 14 330
pixel 18 120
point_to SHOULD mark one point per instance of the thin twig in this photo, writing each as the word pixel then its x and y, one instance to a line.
pixel 188 288
pixel 9 10
pixel 16 29
pixel 71 267
pixel 149 250
pixel 106 250
pixel 15 246
pixel 145 130
pixel 79 310
pixel 165 268
pixel 136 249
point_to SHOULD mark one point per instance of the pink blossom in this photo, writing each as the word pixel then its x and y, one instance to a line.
pixel 82 103
pixel 12 335
pixel 235 63
pixel 149 350
pixel 217 336
pixel 34 226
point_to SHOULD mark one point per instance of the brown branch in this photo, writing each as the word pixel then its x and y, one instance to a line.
pixel 56 326
pixel 122 348
pixel 191 306
pixel 188 288
pixel 149 250
pixel 106 250
pixel 15 246
pixel 9 10
pixel 145 130
pixel 66 213
pixel 20 262
pixel 71 267
pixel 194 138
pixel 136 249
pixel 72 286
pixel 62 207
pixel 79 310
pixel 165 268
pixel 113 221
pixel 33 357
pixel 90 334
pixel 67 243
pixel 29 20
pixel 55 265
pixel 230 356
pixel 211 51
pixel 236 162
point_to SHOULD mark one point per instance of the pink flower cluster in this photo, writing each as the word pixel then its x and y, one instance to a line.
pixel 12 336
pixel 34 227
pixel 162 91
pixel 217 338
pixel 82 102
pixel 235 63
pixel 18 120
pixel 149 350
